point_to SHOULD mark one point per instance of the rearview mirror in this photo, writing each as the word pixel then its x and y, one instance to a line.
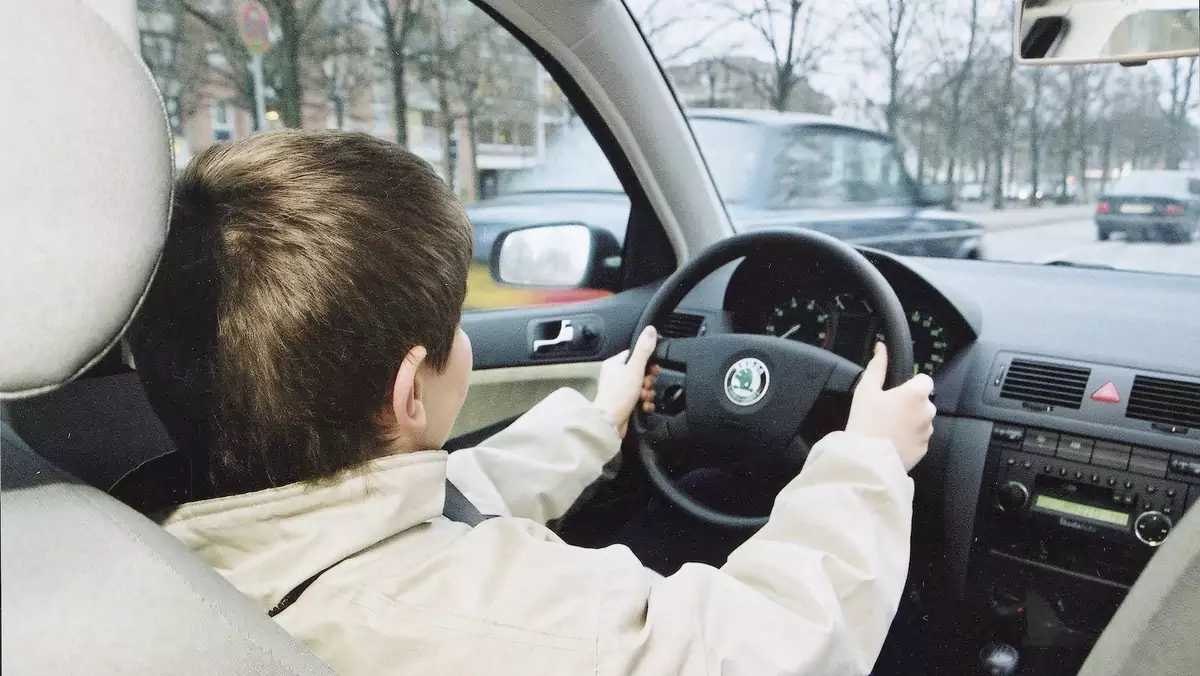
pixel 557 255
pixel 1097 31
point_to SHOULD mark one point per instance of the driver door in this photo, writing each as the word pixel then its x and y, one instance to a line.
pixel 531 337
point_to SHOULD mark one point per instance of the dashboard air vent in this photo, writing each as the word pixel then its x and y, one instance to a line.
pixel 1161 400
pixel 680 325
pixel 1039 382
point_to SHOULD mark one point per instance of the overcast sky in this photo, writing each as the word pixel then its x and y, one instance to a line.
pixel 854 70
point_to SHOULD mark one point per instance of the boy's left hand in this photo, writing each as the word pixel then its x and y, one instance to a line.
pixel 625 382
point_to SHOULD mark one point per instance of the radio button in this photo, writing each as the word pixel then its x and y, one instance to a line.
pixel 1075 448
pixel 1008 433
pixel 1152 528
pixel 1042 443
pixel 1149 462
pixel 1012 497
pixel 1186 466
pixel 1108 454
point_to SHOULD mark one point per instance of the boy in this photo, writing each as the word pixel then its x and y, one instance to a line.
pixel 303 337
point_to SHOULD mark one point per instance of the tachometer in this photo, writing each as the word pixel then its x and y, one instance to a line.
pixel 930 344
pixel 807 321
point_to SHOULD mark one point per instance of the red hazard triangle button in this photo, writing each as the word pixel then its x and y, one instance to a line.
pixel 1107 394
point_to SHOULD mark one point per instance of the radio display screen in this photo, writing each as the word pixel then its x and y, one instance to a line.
pixel 1082 511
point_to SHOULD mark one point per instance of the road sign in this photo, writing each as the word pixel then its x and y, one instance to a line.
pixel 255 27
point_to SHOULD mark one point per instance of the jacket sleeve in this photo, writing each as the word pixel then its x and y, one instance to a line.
pixel 540 465
pixel 812 593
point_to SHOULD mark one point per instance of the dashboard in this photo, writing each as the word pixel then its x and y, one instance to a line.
pixel 1067 442
pixel 817 305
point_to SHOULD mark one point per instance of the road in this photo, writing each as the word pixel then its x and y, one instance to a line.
pixel 1070 235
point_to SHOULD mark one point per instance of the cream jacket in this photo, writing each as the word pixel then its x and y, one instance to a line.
pixel 813 592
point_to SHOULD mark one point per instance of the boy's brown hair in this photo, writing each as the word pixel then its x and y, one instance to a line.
pixel 300 268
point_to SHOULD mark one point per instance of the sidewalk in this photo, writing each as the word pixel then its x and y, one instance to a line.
pixel 1028 217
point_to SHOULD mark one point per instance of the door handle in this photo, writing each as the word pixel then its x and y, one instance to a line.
pixel 566 334
pixel 574 337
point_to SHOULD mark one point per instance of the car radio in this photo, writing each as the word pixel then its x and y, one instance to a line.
pixel 1086 506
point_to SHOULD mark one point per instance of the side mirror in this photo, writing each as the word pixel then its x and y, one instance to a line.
pixel 557 255
pixel 937 195
pixel 1097 31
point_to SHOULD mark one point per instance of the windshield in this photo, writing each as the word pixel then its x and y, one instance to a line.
pixel 574 161
pixel 1024 157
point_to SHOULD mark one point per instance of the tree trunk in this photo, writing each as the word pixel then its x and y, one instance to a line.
pixel 399 98
pixel 447 120
pixel 473 147
pixel 1106 159
pixel 1035 140
pixel 290 96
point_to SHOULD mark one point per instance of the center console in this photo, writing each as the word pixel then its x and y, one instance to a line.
pixel 1065 524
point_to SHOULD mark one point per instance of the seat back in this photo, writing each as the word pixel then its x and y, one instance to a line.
pixel 92 587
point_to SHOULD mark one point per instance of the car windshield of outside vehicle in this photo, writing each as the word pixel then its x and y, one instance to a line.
pixel 1010 162
pixel 574 161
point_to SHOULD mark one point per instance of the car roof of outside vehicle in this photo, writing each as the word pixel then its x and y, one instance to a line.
pixel 774 118
pixel 1164 182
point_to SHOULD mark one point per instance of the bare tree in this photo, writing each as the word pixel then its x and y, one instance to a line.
pixel 173 49
pixel 283 66
pixel 959 68
pixel 892 24
pixel 1183 82
pixel 398 20
pixel 464 66
pixel 786 28
pixel 701 22
pixel 339 48
pixel 1035 134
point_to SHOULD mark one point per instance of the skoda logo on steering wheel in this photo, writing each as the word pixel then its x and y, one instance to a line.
pixel 746 381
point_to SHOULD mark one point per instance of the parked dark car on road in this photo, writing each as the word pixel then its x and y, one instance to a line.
pixel 772 169
pixel 1161 205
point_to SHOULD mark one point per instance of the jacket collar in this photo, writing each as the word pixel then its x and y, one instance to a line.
pixel 268 542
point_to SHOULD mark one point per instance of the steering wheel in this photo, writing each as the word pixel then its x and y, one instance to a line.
pixel 754 391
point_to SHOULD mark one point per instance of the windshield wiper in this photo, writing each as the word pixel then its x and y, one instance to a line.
pixel 1074 264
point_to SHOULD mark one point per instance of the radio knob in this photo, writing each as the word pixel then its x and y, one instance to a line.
pixel 1152 528
pixel 1012 497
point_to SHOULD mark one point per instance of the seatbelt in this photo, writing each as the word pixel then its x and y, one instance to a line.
pixel 457 508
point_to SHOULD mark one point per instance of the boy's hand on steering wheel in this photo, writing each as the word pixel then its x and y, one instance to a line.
pixel 903 415
pixel 625 382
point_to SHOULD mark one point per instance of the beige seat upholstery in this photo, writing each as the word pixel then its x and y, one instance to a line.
pixel 91 587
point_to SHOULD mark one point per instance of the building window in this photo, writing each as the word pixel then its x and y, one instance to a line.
pixel 504 132
pixel 524 134
pixel 485 131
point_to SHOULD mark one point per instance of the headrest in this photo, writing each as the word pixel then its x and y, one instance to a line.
pixel 85 191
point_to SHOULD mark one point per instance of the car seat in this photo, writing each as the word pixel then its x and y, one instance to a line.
pixel 92 587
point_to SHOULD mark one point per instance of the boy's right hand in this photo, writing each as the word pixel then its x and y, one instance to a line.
pixel 902 415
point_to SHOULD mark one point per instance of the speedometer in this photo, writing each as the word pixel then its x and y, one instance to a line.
pixel 804 320
pixel 929 341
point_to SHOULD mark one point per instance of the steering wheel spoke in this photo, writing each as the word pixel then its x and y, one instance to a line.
pixel 844 377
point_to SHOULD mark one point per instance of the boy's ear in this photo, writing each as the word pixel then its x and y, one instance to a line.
pixel 407 406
